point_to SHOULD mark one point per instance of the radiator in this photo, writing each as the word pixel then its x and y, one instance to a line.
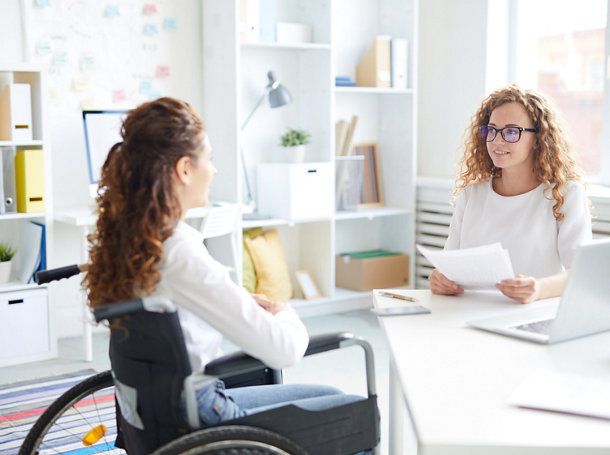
pixel 434 215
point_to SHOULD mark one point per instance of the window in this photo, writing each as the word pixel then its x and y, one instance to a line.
pixel 558 47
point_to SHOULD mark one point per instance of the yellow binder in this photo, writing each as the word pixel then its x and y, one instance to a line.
pixel 29 181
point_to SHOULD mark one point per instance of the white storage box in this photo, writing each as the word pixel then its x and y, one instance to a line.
pixel 24 326
pixel 295 191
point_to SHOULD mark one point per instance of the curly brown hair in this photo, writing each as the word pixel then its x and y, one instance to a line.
pixel 553 163
pixel 137 204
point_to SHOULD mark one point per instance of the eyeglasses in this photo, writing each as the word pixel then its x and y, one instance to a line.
pixel 509 133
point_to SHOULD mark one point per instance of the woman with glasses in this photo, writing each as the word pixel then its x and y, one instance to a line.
pixel 520 186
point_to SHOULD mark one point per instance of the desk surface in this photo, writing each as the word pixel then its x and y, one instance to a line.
pixel 457 380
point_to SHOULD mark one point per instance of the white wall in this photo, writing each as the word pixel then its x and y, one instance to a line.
pixel 64 124
pixel 452 79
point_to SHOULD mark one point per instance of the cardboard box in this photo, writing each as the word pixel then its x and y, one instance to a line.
pixel 374 272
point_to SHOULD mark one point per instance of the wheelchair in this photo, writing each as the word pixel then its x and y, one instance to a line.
pixel 135 407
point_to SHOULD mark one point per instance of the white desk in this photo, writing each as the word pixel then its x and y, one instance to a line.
pixel 455 382
pixel 84 218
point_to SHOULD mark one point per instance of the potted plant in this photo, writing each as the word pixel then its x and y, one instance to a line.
pixel 6 254
pixel 294 142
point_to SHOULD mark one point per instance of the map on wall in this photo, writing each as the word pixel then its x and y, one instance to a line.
pixel 100 54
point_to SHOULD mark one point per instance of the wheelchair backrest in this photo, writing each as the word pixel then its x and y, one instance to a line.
pixel 149 362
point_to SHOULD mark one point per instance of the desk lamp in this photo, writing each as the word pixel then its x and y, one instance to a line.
pixel 278 96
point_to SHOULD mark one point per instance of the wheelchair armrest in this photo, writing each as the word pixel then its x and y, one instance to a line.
pixel 240 362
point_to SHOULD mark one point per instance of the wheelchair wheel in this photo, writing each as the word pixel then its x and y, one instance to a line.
pixel 232 440
pixel 83 418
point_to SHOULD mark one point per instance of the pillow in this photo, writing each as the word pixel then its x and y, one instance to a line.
pixel 272 277
pixel 249 274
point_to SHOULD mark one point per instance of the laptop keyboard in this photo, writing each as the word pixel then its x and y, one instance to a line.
pixel 541 327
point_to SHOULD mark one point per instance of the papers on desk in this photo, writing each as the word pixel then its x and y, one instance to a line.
pixel 552 390
pixel 472 268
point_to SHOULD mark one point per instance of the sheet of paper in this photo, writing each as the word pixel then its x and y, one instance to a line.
pixel 472 268
pixel 553 390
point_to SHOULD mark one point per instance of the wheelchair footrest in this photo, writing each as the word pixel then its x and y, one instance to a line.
pixel 341 430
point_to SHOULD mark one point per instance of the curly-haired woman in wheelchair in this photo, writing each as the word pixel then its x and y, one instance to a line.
pixel 142 246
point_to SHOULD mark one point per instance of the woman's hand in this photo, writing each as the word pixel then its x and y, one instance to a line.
pixel 269 305
pixel 524 289
pixel 440 284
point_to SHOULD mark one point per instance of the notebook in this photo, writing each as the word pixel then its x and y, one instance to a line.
pixel 584 306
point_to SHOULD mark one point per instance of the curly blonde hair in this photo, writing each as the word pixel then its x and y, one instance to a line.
pixel 553 163
pixel 137 205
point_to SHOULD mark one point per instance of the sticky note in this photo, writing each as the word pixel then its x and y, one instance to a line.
pixel 150 9
pixel 119 96
pixel 87 104
pixel 60 58
pixel 87 63
pixel 43 48
pixel 145 87
pixel 80 83
pixel 153 95
pixel 111 11
pixel 150 29
pixel 162 71
pixel 169 24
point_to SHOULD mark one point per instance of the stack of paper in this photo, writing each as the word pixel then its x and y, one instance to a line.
pixel 472 268
pixel 554 390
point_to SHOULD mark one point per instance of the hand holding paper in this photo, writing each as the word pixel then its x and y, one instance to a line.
pixel 472 268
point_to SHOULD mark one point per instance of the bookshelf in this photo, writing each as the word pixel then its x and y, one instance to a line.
pixel 234 78
pixel 26 323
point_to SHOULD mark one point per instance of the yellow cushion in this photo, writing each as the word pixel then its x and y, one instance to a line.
pixel 249 275
pixel 272 276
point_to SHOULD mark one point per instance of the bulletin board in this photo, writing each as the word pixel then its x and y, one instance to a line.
pixel 101 54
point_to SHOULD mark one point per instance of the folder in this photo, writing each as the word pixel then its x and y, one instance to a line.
pixel 8 203
pixel 374 67
pixel 16 113
pixel 399 53
pixel 29 179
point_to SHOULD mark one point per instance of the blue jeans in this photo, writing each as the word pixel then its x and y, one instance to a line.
pixel 216 404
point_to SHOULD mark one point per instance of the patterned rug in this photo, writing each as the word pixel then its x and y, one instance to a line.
pixel 22 403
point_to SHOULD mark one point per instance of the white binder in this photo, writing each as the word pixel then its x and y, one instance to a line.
pixel 16 113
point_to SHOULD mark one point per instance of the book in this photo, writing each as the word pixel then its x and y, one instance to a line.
pixel 349 137
pixel 344 81
pixel 398 62
pixel 341 128
pixel 373 70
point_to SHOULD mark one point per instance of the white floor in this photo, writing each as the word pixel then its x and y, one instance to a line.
pixel 344 368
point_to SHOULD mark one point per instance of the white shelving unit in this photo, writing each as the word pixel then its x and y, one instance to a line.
pixel 235 78
pixel 26 325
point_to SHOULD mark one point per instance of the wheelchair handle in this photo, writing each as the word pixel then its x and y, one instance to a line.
pixel 46 276
pixel 154 304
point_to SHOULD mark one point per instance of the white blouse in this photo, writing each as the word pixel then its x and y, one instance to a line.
pixel 538 244
pixel 210 306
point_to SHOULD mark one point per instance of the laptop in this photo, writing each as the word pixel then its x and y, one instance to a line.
pixel 102 130
pixel 584 305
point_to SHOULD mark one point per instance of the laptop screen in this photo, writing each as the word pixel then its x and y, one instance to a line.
pixel 102 131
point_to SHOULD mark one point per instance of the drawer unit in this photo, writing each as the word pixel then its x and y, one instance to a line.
pixel 24 326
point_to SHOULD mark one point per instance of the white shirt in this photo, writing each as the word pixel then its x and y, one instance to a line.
pixel 211 305
pixel 538 244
